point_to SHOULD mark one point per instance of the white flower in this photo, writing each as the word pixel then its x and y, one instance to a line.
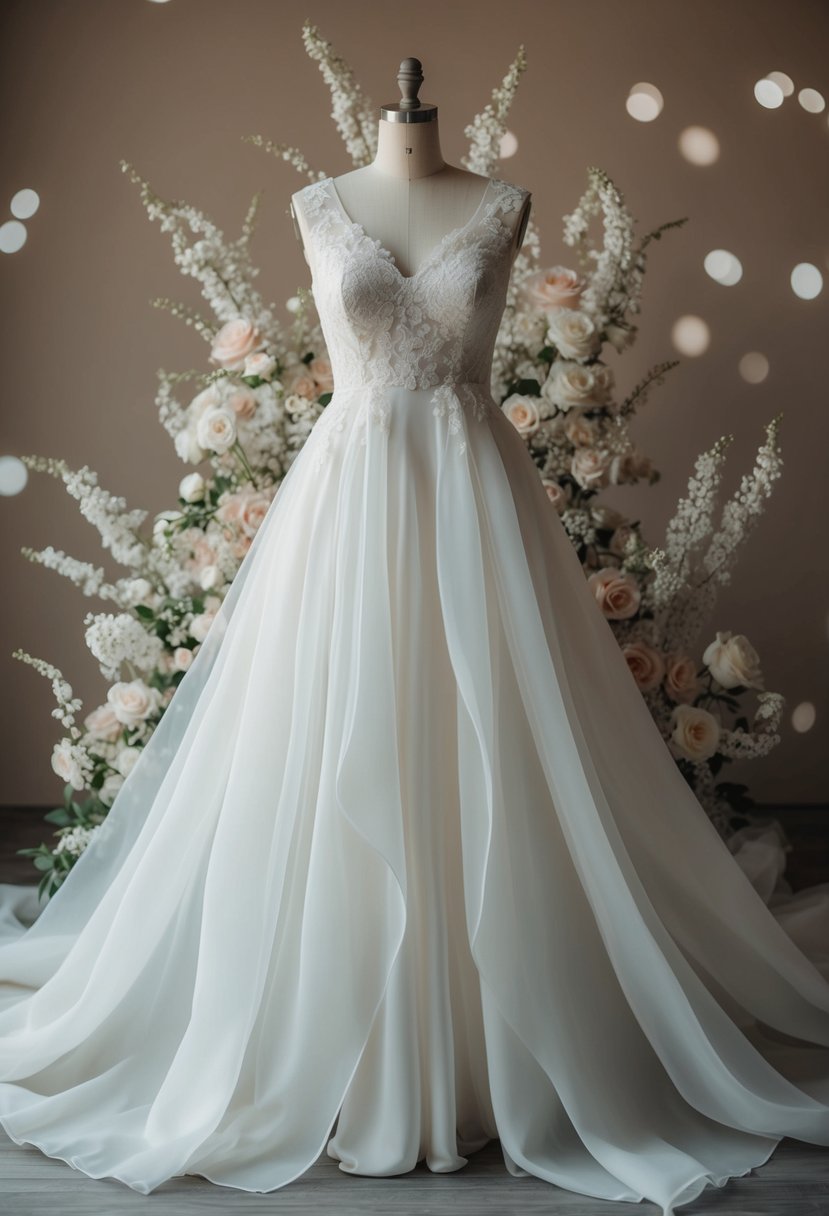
pixel 191 487
pixel 137 591
pixel 111 786
pixel 200 625
pixel 733 661
pixel 162 520
pixel 696 732
pixel 589 467
pixel 570 384
pixel 260 364
pixel 126 759
pixel 182 658
pixel 101 723
pixel 522 412
pixel 210 576
pixel 67 765
pixel 216 429
pixel 573 333
pixel 133 701
pixel 188 447
pixel 207 399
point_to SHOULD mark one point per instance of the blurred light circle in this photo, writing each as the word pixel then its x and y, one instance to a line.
pixel 13 475
pixel 811 100
pixel 754 367
pixel 803 716
pixel 24 204
pixel 691 335
pixel 508 145
pixel 785 83
pixel 12 236
pixel 768 93
pixel 645 102
pixel 723 267
pixel 699 145
pixel 807 281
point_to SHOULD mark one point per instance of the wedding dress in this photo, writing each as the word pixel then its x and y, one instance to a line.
pixel 407 853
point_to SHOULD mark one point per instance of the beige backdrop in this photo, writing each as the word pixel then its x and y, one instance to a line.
pixel 174 87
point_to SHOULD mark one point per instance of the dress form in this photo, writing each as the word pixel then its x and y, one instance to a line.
pixel 409 197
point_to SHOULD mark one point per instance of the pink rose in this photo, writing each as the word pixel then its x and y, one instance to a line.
pixel 554 288
pixel 646 664
pixel 320 369
pixel 302 383
pixel 681 680
pixel 617 593
pixel 580 430
pixel 233 343
pixel 243 403
pixel 522 412
pixel 556 493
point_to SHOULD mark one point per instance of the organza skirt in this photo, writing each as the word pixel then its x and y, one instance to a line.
pixel 407 867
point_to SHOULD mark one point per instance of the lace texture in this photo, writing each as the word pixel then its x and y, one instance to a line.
pixel 433 329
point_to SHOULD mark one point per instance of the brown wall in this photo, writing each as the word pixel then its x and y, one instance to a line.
pixel 174 87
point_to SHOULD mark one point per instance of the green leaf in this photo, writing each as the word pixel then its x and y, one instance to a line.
pixel 58 816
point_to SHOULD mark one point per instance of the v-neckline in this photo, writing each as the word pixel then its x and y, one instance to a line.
pixel 436 249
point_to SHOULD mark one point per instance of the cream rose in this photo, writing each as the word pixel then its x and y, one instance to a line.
pixel 133 701
pixel 102 723
pixel 200 624
pixel 554 288
pixel 570 384
pixel 733 661
pixel 646 664
pixel 182 658
pixel 320 369
pixel 696 732
pixel 65 763
pixel 581 431
pixel 260 364
pixel 556 493
pixel 522 412
pixel 207 399
pixel 589 467
pixel 617 593
pixel 681 679
pixel 573 333
pixel 243 403
pixel 126 759
pixel 233 343
pixel 191 487
pixel 254 508
pixel 216 430
pixel 302 383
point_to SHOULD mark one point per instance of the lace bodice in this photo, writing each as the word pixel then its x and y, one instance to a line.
pixel 435 328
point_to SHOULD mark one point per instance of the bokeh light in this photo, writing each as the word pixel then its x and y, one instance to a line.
pixel 13 475
pixel 768 93
pixel 24 204
pixel 691 335
pixel 699 146
pixel 508 145
pixel 784 82
pixel 803 717
pixel 645 102
pixel 754 367
pixel 12 236
pixel 724 267
pixel 812 101
pixel 807 281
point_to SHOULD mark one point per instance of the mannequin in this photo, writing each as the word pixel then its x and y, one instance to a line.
pixel 409 197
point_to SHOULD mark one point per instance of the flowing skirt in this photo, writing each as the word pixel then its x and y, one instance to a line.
pixel 406 867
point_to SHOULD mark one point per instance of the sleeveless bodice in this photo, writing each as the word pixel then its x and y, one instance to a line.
pixel 434 329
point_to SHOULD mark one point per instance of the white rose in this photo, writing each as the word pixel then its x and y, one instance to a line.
pixel 210 577
pixel 65 764
pixel 573 333
pixel 522 412
pixel 733 661
pixel 260 364
pixel 188 447
pixel 182 658
pixel 163 519
pixel 111 786
pixel 589 467
pixel 570 384
pixel 234 342
pixel 191 487
pixel 200 625
pixel 696 732
pixel 102 723
pixel 216 429
pixel 133 701
pixel 207 399
pixel 126 759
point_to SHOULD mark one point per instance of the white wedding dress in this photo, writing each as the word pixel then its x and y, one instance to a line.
pixel 407 854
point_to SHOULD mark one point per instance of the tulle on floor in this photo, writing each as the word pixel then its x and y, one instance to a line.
pixel 408 856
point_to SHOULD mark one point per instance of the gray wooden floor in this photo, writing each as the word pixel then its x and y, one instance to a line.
pixel 794 1182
